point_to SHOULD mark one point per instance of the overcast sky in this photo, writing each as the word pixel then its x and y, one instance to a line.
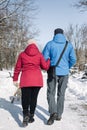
pixel 57 13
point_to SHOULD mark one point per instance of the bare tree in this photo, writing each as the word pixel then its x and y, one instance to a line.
pixel 82 5
pixel 77 35
pixel 16 27
pixel 84 40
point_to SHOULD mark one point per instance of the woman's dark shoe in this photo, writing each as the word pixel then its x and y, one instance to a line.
pixel 31 118
pixel 25 121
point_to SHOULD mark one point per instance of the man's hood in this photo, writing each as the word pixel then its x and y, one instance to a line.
pixel 59 38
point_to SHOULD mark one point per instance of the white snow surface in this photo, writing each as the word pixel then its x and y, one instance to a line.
pixel 75 111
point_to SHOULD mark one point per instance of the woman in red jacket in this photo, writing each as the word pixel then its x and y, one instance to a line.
pixel 29 63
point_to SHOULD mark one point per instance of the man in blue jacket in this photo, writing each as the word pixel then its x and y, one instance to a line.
pixel 53 50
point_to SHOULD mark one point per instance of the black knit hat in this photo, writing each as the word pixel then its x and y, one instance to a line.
pixel 58 30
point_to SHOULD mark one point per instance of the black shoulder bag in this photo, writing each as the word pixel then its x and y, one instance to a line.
pixel 51 70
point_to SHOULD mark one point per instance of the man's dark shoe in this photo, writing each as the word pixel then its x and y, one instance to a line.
pixel 56 117
pixel 50 120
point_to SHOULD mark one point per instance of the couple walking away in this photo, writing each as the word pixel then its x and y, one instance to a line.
pixel 31 61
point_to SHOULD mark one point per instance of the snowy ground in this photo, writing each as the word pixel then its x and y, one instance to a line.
pixel 74 116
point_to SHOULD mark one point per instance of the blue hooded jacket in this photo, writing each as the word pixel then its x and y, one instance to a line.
pixel 53 50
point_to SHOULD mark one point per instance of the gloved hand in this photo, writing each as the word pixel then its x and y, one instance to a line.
pixel 16 83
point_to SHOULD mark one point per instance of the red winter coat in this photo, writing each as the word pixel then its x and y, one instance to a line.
pixel 29 63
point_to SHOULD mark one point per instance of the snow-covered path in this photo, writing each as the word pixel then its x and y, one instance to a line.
pixel 74 116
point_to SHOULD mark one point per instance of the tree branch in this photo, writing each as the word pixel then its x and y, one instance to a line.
pixel 82 4
pixel 6 17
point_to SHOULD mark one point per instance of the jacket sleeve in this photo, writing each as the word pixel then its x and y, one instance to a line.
pixel 72 57
pixel 17 68
pixel 46 51
pixel 45 64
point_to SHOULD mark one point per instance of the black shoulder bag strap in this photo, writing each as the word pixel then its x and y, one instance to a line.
pixel 62 54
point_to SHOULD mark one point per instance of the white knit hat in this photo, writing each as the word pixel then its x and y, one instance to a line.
pixel 30 41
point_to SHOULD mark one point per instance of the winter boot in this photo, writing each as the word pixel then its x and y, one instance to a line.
pixel 56 117
pixel 25 120
pixel 31 118
pixel 50 120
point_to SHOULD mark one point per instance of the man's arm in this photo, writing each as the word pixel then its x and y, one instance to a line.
pixel 72 58
pixel 46 51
